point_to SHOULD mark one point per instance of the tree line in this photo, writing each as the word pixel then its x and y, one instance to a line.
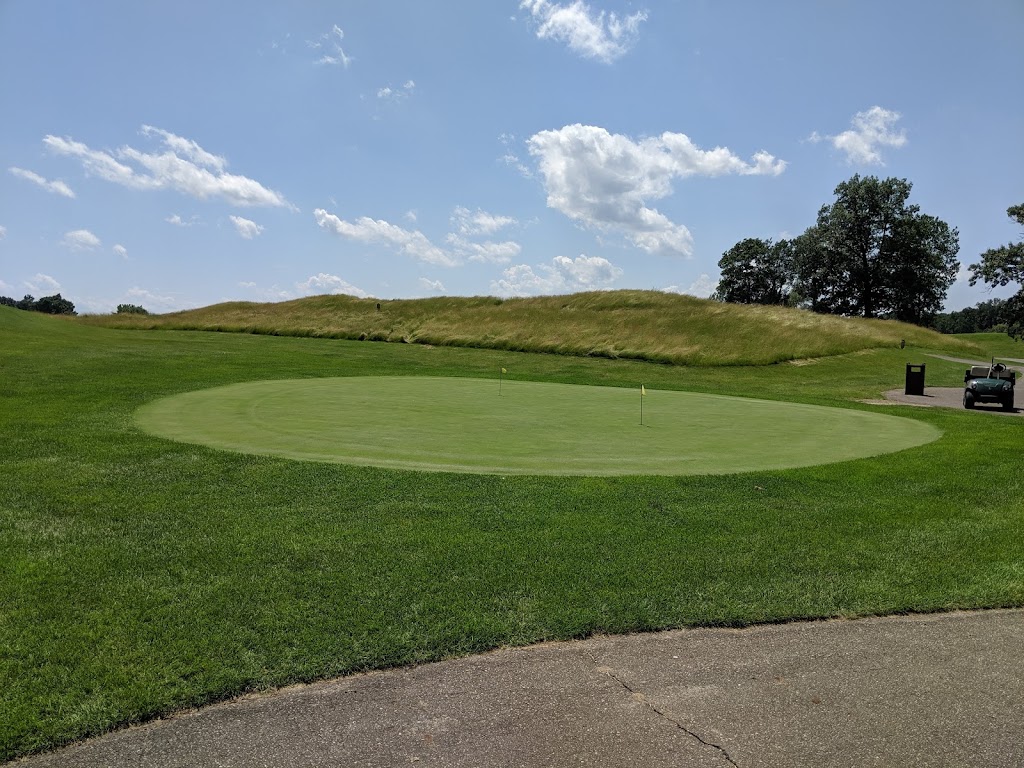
pixel 57 305
pixel 50 305
pixel 870 253
pixel 873 254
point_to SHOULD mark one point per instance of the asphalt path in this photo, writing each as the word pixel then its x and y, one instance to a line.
pixel 920 690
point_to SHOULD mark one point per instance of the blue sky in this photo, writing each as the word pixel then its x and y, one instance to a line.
pixel 179 154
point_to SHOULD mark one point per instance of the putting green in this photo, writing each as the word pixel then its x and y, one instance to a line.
pixel 464 425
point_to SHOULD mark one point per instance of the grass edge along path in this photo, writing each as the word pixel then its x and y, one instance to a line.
pixel 139 576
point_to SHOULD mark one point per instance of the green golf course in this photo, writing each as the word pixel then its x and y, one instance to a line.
pixel 146 570
pixel 522 427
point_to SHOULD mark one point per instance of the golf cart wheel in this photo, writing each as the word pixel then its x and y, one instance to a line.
pixel 968 399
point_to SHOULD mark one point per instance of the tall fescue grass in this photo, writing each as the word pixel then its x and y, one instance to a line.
pixel 639 325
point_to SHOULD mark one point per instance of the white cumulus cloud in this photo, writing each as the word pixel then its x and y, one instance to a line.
pixel 600 35
pixel 183 166
pixel 57 187
pixel 366 230
pixel 872 130
pixel 80 240
pixel 324 283
pixel 489 251
pixel 177 221
pixel 121 251
pixel 435 286
pixel 246 227
pixel 563 275
pixel 702 287
pixel 604 181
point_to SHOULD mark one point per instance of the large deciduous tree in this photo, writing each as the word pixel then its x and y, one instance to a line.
pixel 872 254
pixel 1002 266
pixel 756 271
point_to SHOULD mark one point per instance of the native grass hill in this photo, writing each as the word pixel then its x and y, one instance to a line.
pixel 641 325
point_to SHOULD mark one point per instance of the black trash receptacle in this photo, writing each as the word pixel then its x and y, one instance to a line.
pixel 915 380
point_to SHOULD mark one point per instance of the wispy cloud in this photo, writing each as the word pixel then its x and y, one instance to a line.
pixel 121 251
pixel 80 240
pixel 41 284
pixel 470 223
pixel 409 242
pixel 600 35
pixel 3 232
pixel 460 245
pixel 154 301
pixel 246 228
pixel 388 93
pixel 604 181
pixel 183 166
pixel 328 48
pixel 872 130
pixel 56 187
pixel 563 275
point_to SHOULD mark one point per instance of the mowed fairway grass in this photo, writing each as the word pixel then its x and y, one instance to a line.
pixel 141 575
pixel 516 427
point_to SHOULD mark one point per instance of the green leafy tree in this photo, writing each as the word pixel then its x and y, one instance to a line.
pixel 55 305
pixel 756 271
pixel 872 254
pixel 1002 266
pixel 131 309
pixel 7 301
pixel 28 302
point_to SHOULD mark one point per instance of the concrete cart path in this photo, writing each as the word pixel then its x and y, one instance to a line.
pixel 944 689
pixel 942 397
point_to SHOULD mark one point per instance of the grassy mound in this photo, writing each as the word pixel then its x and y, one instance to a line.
pixel 640 325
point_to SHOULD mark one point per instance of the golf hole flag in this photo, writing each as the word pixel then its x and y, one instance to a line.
pixel 643 394
pixel 501 373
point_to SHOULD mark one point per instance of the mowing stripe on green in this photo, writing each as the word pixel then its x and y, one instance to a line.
pixel 464 425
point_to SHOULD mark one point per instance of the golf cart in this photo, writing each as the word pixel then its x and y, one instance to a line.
pixel 989 384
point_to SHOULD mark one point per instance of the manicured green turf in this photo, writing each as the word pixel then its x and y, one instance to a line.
pixel 521 427
pixel 139 575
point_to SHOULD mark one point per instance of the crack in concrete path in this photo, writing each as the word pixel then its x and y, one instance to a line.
pixel 642 698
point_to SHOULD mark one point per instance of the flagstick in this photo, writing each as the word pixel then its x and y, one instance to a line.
pixel 499 382
pixel 641 405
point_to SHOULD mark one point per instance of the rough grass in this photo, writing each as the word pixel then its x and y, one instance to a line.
pixel 640 325
pixel 140 576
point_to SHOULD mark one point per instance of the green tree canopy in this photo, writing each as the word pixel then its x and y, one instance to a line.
pixel 55 305
pixel 872 254
pixel 1002 266
pixel 131 309
pixel 756 271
